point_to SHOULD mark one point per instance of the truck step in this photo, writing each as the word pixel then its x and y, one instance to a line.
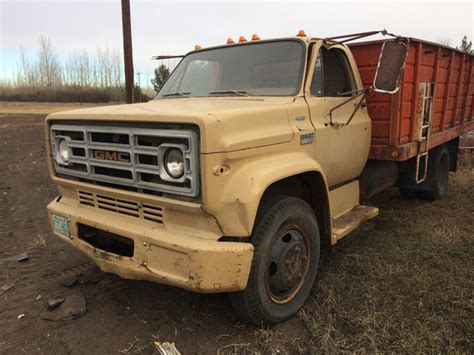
pixel 349 221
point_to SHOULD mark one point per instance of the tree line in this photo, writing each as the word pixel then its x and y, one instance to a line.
pixel 84 78
pixel 80 77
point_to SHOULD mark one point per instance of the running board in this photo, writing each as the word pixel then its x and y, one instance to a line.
pixel 349 221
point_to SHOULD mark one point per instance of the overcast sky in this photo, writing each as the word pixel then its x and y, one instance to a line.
pixel 161 27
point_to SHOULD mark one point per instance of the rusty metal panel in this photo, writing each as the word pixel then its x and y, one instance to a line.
pixel 416 92
pixel 394 118
pixel 458 90
pixel 468 83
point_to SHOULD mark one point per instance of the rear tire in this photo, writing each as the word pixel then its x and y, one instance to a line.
pixel 439 176
pixel 284 266
pixel 435 186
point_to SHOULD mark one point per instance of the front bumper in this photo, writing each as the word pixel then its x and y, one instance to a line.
pixel 192 263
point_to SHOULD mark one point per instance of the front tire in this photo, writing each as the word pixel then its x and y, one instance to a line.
pixel 287 246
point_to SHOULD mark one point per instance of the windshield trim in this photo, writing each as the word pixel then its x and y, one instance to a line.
pixel 301 74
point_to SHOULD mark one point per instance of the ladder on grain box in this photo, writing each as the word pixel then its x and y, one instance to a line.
pixel 424 113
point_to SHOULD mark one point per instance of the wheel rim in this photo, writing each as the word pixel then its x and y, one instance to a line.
pixel 287 264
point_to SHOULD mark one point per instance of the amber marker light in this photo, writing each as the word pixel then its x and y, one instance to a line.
pixel 301 33
pixel 230 40
pixel 197 47
pixel 255 37
pixel 242 39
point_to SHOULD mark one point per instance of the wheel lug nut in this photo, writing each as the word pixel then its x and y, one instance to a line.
pixel 289 279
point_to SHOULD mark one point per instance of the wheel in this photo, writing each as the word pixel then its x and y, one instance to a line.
pixel 286 255
pixel 439 176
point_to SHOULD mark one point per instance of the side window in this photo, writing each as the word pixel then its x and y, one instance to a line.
pixel 333 75
pixel 318 77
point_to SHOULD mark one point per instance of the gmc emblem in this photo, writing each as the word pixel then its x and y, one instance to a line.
pixel 108 155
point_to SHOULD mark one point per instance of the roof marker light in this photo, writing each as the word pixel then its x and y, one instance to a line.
pixel 242 39
pixel 197 47
pixel 230 40
pixel 255 37
pixel 301 33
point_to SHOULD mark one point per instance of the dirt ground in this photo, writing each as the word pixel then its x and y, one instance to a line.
pixel 403 282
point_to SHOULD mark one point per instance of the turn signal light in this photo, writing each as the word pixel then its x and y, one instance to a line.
pixel 242 39
pixel 197 47
pixel 230 40
pixel 255 37
pixel 301 33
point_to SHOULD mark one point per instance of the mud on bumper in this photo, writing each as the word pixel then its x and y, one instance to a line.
pixel 156 255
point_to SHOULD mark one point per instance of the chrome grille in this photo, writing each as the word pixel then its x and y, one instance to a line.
pixel 129 157
pixel 124 206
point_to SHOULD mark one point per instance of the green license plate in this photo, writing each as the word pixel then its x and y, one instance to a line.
pixel 61 225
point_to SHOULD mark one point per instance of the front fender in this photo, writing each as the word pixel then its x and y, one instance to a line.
pixel 235 199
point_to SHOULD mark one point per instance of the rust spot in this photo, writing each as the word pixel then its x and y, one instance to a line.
pixel 102 254
pixel 145 266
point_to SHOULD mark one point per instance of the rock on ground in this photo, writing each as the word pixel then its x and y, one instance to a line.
pixel 73 307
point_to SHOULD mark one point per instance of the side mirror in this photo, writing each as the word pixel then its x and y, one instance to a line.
pixel 390 67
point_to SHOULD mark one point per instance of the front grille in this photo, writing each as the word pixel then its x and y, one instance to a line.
pixel 127 157
pixel 124 206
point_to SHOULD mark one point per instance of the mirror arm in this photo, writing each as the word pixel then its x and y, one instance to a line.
pixel 361 92
pixel 358 106
pixel 357 91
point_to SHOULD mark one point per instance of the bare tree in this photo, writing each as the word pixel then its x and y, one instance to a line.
pixel 79 77
pixel 445 41
pixel 117 68
pixel 49 67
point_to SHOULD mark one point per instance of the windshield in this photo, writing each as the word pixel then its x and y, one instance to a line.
pixel 255 69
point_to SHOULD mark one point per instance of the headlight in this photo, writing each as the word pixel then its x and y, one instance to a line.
pixel 174 162
pixel 63 152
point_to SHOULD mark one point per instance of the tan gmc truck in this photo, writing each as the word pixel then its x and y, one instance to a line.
pixel 253 156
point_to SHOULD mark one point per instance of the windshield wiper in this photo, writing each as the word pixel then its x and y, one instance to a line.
pixel 223 92
pixel 182 94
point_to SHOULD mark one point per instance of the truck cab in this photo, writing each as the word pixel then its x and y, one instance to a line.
pixel 231 180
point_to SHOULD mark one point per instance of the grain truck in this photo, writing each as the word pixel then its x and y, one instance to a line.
pixel 254 155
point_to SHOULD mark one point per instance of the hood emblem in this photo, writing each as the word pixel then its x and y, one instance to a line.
pixel 109 155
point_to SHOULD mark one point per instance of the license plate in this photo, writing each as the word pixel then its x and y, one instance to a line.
pixel 61 225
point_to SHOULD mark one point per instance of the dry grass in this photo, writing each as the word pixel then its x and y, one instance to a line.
pixel 9 108
pixel 403 281
pixel 62 94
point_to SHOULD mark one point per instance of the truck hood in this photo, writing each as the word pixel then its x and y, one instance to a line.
pixel 226 124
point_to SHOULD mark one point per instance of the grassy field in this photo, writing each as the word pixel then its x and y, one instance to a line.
pixel 403 281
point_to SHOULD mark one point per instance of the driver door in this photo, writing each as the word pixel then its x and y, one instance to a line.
pixel 342 150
